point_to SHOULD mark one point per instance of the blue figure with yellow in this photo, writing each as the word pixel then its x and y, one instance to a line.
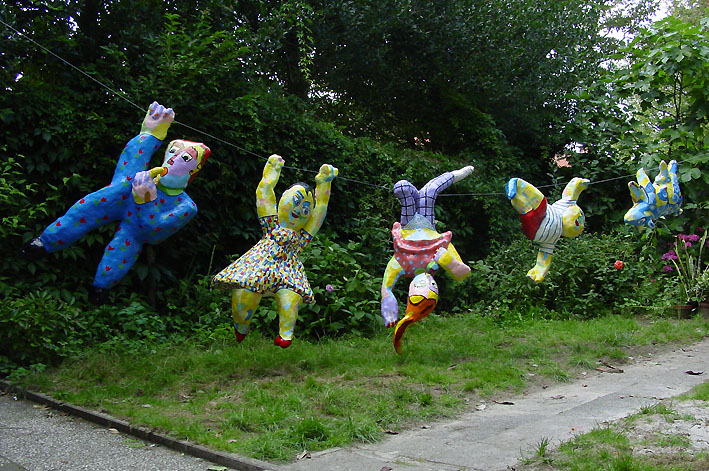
pixel 543 224
pixel 272 267
pixel 652 201
pixel 149 205
pixel 419 251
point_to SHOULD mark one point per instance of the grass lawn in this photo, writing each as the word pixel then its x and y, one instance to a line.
pixel 261 401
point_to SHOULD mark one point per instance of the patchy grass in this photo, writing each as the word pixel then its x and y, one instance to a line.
pixel 660 437
pixel 268 403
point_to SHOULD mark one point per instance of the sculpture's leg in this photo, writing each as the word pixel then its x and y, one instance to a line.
pixel 429 193
pixel 408 197
pixel 390 307
pixel 450 261
pixel 91 211
pixel 288 303
pixel 540 270
pixel 118 257
pixel 243 305
pixel 676 194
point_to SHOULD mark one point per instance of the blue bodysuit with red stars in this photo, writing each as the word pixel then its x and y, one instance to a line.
pixel 149 223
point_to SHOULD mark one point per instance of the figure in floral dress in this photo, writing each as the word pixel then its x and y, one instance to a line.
pixel 271 267
pixel 150 205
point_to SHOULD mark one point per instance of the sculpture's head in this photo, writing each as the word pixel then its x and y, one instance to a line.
pixel 573 221
pixel 295 206
pixel 640 215
pixel 423 297
pixel 183 160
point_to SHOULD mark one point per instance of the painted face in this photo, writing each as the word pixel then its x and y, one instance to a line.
pixel 180 159
pixel 573 221
pixel 294 207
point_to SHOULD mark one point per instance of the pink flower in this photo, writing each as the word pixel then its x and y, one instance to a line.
pixel 618 264
pixel 668 268
pixel 671 255
pixel 329 288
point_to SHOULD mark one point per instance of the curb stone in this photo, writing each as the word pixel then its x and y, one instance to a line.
pixel 231 460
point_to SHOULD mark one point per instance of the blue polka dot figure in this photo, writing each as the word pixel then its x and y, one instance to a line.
pixel 150 205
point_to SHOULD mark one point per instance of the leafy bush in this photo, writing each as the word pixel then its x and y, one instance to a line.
pixel 40 328
pixel 583 280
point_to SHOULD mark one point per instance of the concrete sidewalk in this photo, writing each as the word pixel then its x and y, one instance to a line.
pixel 36 438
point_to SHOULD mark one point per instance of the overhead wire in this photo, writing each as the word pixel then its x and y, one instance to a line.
pixel 247 151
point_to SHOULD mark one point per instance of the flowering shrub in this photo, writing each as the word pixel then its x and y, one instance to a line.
pixel 685 260
pixel 590 275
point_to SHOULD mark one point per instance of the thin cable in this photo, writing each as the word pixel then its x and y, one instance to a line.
pixel 242 149
pixel 72 66
pixel 211 136
pixel 542 186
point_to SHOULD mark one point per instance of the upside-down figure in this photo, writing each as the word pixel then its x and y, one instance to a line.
pixel 419 251
pixel 543 224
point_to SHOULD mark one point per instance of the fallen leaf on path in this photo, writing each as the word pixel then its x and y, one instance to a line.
pixel 113 430
pixel 390 432
pixel 504 403
pixel 41 407
pixel 690 372
pixel 130 443
pixel 217 468
pixel 609 370
pixel 560 396
pixel 385 468
pixel 481 407
pixel 304 455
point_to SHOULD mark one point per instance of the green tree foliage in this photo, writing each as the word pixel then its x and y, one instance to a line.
pixel 347 83
pixel 689 11
pixel 651 106
pixel 453 74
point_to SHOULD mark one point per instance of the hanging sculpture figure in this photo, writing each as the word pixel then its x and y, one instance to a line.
pixel 419 251
pixel 272 267
pixel 150 205
pixel 652 201
pixel 543 224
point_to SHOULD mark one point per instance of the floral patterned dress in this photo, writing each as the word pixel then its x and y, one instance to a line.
pixel 271 264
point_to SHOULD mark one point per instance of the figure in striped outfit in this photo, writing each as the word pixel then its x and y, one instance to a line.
pixel 543 224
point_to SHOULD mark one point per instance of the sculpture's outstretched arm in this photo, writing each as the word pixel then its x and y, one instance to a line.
pixel 323 184
pixel 265 194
